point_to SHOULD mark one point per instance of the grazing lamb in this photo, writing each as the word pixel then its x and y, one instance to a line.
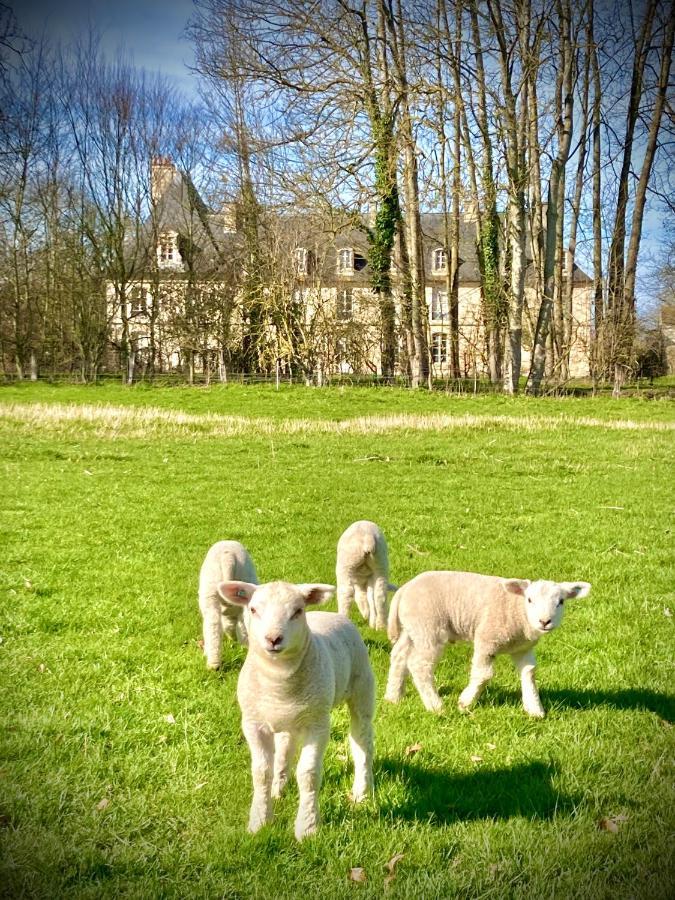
pixel 299 665
pixel 362 570
pixel 224 561
pixel 499 615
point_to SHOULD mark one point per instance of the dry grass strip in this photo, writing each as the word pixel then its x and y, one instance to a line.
pixel 109 421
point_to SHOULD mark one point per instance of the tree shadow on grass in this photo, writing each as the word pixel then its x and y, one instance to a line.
pixel 442 798
pixel 621 698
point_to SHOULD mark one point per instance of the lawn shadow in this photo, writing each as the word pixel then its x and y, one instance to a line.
pixel 621 698
pixel 442 797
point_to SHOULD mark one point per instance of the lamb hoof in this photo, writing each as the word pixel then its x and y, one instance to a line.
pixel 392 698
pixel 465 701
pixel 278 788
pixel 358 795
pixel 214 666
pixel 256 824
pixel 435 706
pixel 302 832
pixel 536 713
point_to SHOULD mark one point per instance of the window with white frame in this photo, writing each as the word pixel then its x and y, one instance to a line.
pixel 301 259
pixel 345 261
pixel 440 260
pixel 439 305
pixel 345 306
pixel 167 249
pixel 439 348
pixel 139 301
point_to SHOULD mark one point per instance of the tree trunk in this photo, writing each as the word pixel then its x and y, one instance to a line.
pixel 617 308
pixel 556 182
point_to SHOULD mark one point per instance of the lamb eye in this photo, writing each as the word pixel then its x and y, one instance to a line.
pixel 529 599
pixel 561 601
pixel 296 614
pixel 254 612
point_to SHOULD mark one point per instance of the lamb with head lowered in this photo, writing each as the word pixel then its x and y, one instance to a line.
pixel 362 572
pixel 500 615
pixel 299 666
pixel 224 561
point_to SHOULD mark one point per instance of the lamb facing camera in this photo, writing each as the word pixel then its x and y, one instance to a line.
pixel 499 615
pixel 298 667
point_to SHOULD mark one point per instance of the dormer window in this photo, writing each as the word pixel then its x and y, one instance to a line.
pixel 350 261
pixel 167 250
pixel 345 261
pixel 440 260
pixel 345 306
pixel 301 260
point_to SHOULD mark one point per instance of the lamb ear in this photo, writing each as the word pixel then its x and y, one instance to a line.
pixel 516 585
pixel 237 592
pixel 316 594
pixel 575 589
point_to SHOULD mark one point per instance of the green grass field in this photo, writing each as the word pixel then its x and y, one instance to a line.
pixel 123 771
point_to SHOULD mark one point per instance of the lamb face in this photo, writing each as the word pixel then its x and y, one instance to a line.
pixel 276 620
pixel 544 600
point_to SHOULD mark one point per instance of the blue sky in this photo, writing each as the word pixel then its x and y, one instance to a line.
pixel 151 31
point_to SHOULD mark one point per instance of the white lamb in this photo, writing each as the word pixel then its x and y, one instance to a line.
pixel 225 560
pixel 362 570
pixel 298 667
pixel 499 615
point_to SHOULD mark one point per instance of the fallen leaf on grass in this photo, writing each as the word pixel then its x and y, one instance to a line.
pixel 87 472
pixel 162 739
pixel 42 668
pixel 28 584
pixel 667 612
pixel 201 784
pixel 391 865
pixel 357 874
pixel 491 746
pixel 612 823
pixel 200 644
pixel 413 748
pixel 103 804
pixel 476 759
pixel 170 719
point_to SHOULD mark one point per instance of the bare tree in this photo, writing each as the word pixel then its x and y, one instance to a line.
pixel 565 91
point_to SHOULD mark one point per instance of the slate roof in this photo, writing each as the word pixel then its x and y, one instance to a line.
pixel 181 209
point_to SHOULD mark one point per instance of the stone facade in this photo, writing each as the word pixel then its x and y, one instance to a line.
pixel 324 274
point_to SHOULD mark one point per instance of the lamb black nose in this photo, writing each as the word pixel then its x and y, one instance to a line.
pixel 546 623
pixel 274 641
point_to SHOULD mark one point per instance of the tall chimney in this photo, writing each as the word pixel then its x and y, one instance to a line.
pixel 162 171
